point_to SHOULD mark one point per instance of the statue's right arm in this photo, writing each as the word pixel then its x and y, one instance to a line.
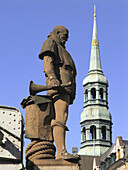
pixel 50 71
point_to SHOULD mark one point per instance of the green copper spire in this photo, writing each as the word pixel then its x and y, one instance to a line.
pixel 96 122
pixel 95 63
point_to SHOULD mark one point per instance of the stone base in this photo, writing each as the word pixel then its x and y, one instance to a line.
pixel 52 164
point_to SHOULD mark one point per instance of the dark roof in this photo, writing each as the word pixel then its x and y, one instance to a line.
pixel 86 162
pixel 107 153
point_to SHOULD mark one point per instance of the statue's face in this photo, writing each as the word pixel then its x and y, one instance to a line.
pixel 63 35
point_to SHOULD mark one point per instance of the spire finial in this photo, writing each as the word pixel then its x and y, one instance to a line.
pixel 95 63
pixel 95 37
pixel 94 10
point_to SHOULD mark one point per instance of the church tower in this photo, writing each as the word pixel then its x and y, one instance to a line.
pixel 96 123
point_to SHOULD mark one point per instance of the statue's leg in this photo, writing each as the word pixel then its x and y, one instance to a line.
pixel 61 103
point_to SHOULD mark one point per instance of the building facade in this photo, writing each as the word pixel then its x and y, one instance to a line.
pixel 11 138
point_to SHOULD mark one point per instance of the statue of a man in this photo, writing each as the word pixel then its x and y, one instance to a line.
pixel 59 69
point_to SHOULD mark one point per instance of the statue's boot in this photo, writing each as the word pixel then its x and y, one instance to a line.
pixel 59 138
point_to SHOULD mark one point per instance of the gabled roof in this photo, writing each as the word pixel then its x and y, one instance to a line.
pixel 108 153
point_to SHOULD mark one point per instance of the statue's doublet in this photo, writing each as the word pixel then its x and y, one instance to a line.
pixel 65 69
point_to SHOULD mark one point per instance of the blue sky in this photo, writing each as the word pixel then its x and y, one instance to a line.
pixel 25 24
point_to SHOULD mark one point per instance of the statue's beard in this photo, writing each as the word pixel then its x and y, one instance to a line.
pixel 55 37
pixel 63 42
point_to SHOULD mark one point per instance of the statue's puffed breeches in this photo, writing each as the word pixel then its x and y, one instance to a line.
pixel 64 75
pixel 61 104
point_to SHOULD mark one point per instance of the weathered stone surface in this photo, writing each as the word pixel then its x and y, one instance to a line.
pixel 57 168
pixel 38 119
pixel 59 164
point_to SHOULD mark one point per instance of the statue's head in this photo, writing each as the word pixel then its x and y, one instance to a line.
pixel 62 33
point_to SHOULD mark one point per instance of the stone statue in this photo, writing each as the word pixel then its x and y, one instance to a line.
pixel 46 115
pixel 59 69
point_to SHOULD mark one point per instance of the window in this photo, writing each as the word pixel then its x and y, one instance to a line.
pixel 93 93
pixel 84 134
pixel 103 132
pixel 93 132
pixel 101 94
pixel 86 95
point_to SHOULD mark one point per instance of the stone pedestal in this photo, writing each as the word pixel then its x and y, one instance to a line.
pixel 52 164
pixel 39 113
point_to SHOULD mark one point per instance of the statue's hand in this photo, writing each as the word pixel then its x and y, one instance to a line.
pixel 54 83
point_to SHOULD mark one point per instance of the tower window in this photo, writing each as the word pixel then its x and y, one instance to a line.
pixel 93 132
pixel 110 133
pixel 84 134
pixel 86 95
pixel 101 93
pixel 93 93
pixel 103 132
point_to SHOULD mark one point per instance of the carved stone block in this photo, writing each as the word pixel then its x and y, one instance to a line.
pixel 38 119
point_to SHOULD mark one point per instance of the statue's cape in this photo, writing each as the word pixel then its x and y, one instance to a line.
pixel 52 47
